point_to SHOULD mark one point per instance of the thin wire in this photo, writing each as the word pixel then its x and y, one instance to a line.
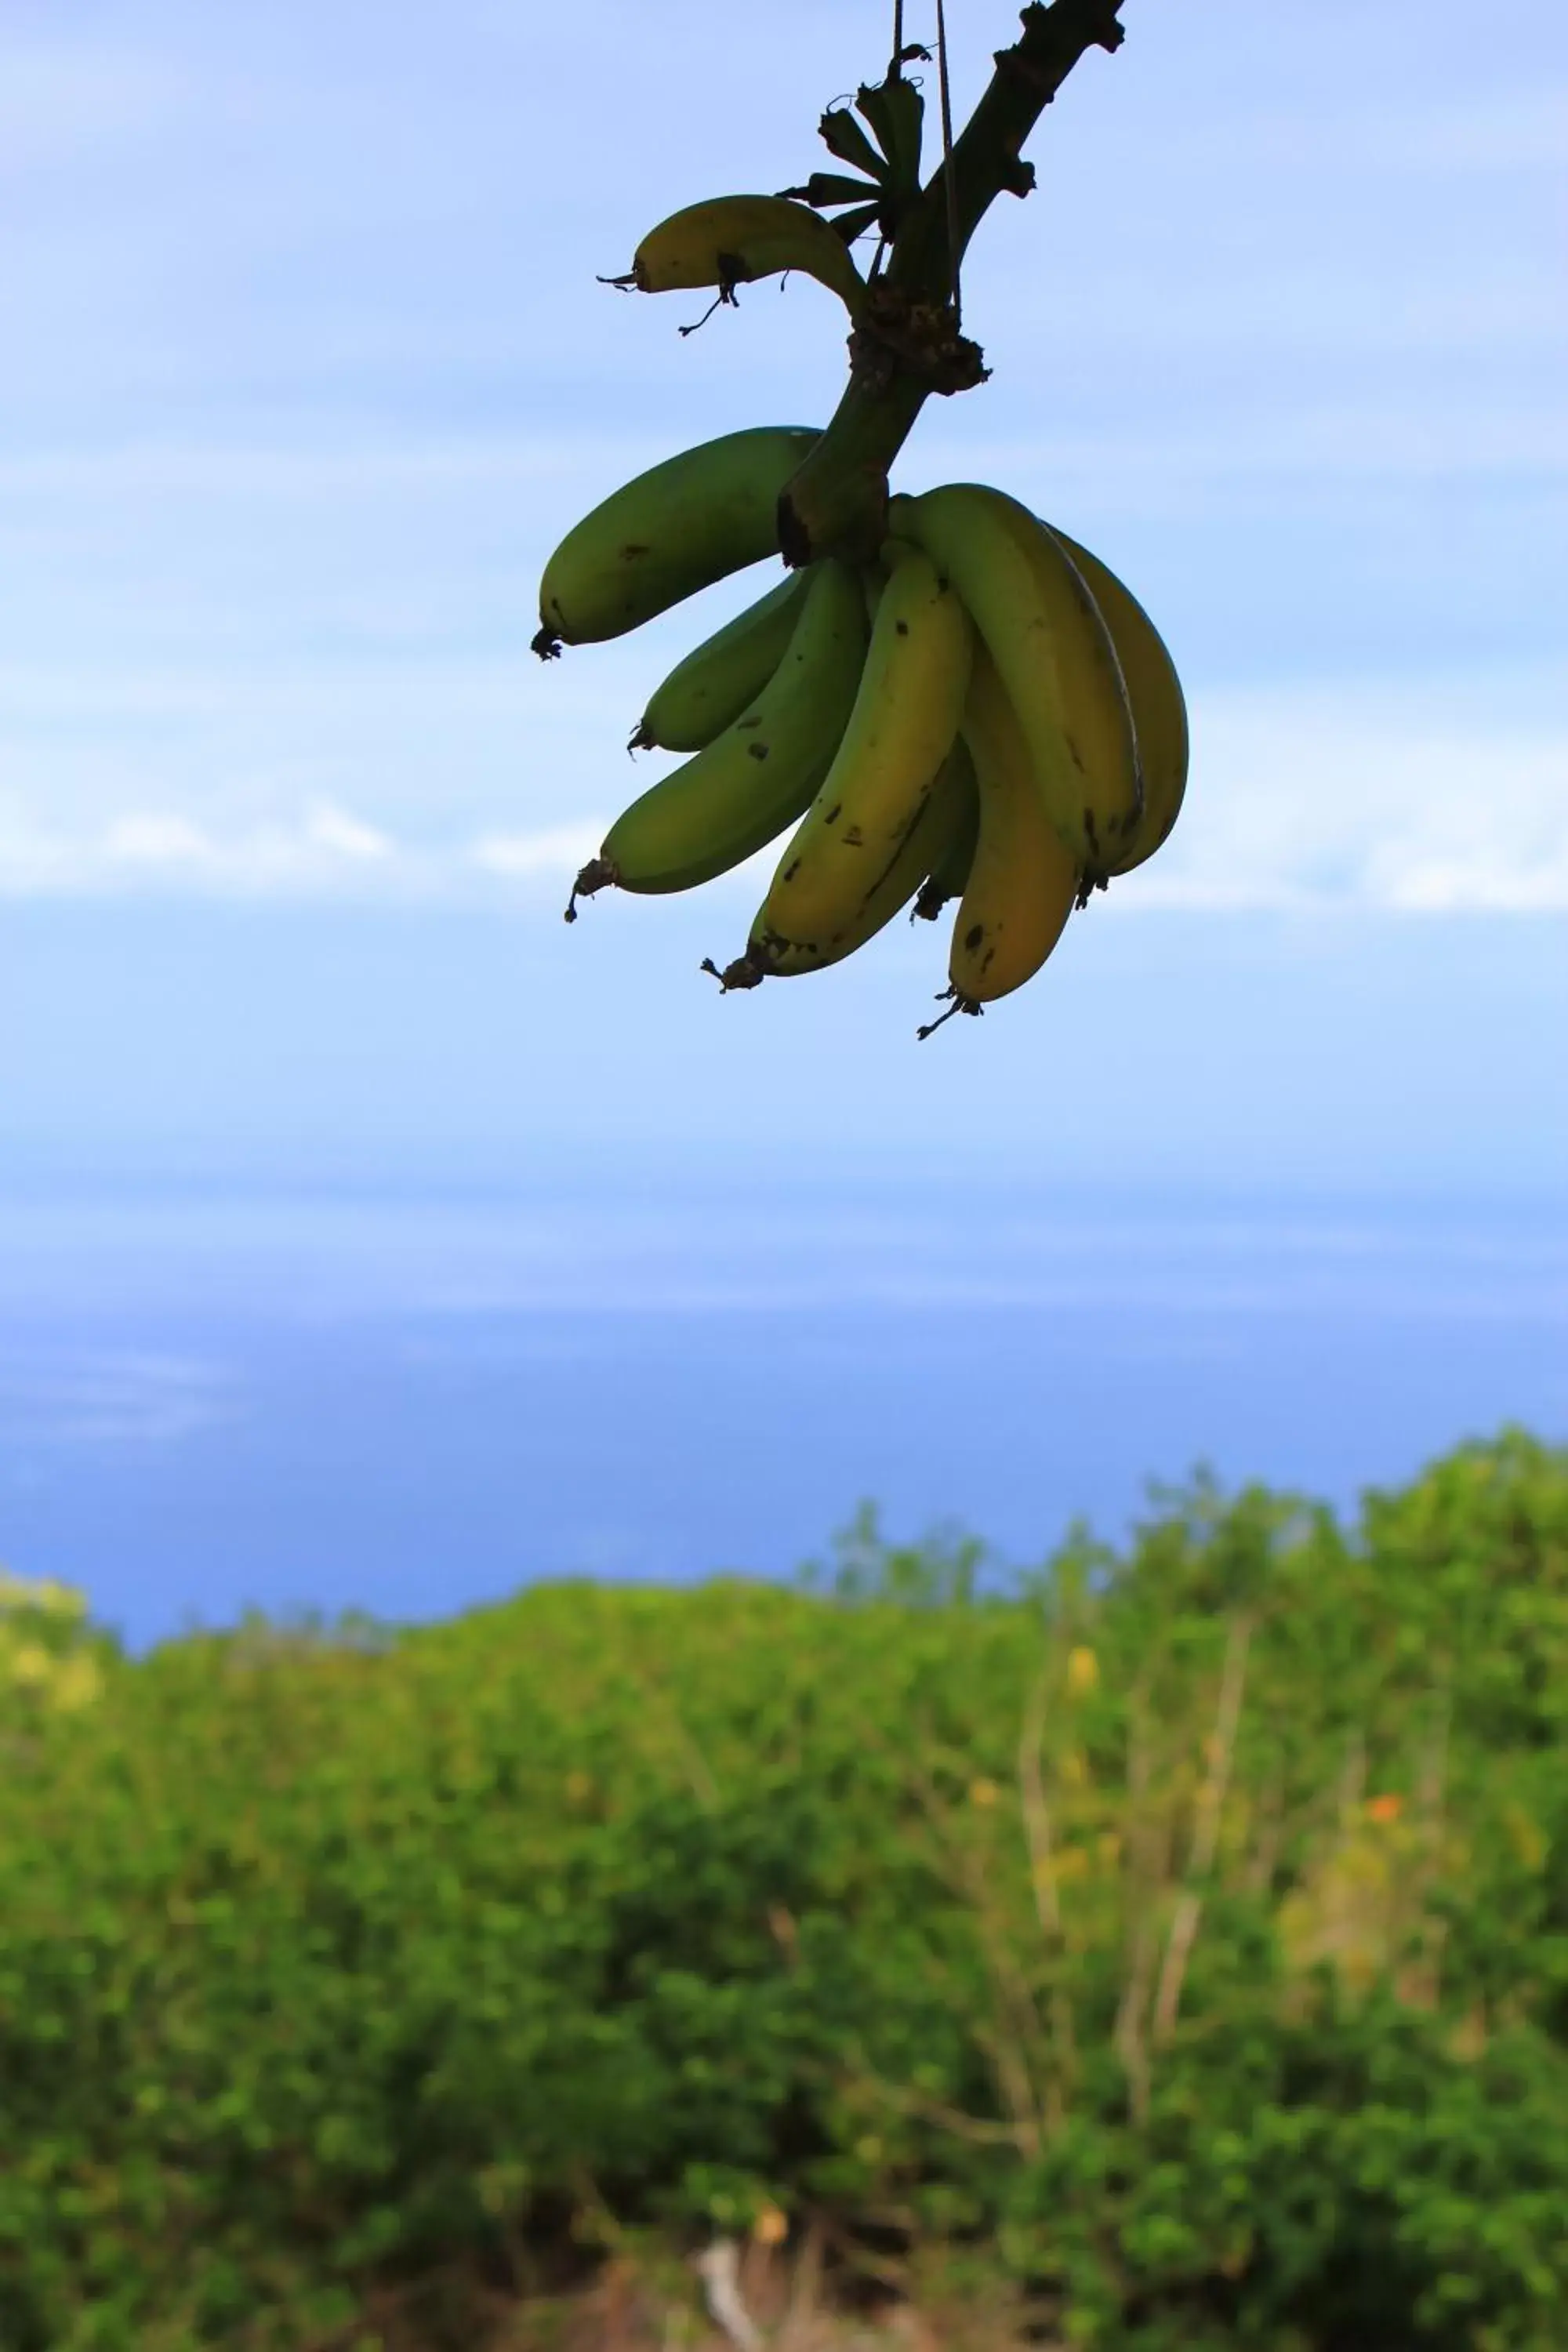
pixel 947 159
pixel 898 40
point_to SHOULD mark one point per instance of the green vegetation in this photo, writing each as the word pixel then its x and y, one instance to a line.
pixel 1177 1941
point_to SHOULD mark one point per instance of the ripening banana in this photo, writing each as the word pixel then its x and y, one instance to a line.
pixel 1043 631
pixel 1024 880
pixel 949 873
pixel 729 240
pixel 900 730
pixel 718 678
pixel 1159 708
pixel 678 528
pixel 942 817
pixel 739 794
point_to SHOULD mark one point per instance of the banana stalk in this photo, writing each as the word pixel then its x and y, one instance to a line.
pixel 833 502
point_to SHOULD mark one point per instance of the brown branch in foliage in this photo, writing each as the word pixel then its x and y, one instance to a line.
pixel 922 2108
pixel 1036 1814
pixel 1206 1831
pixel 1048 1899
pixel 1018 2020
pixel 1148 1857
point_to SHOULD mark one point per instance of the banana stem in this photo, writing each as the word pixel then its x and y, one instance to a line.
pixel 907 345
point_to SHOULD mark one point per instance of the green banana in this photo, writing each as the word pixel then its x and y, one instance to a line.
pixel 1159 708
pixel 678 528
pixel 1055 655
pixel 727 241
pixel 942 816
pixel 736 795
pixel 906 715
pixel 949 874
pixel 718 678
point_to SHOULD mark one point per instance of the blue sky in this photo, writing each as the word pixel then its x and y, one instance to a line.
pixel 306 369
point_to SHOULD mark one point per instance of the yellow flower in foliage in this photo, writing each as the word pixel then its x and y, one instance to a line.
pixel 1527 1839
pixel 770 2227
pixel 983 1792
pixel 77 1683
pixel 1083 1670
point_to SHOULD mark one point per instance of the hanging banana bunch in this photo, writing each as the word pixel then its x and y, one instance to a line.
pixel 967 710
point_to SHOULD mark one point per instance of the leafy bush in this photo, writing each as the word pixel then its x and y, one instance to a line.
pixel 1185 1933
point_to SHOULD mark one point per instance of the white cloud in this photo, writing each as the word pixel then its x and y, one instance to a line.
pixel 155 841
pixel 344 836
pixel 323 852
pixel 1416 805
pixel 559 849
pixel 1409 803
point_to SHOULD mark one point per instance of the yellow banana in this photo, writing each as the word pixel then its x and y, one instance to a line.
pixel 1024 879
pixel 1159 708
pixel 678 528
pixel 753 779
pixel 1053 652
pixel 942 816
pixel 729 240
pixel 718 678
pixel 900 732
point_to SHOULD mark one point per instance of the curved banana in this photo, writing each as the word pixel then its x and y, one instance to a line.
pixel 1053 652
pixel 943 817
pixel 678 528
pixel 1159 707
pixel 729 240
pixel 900 730
pixel 718 678
pixel 949 873
pixel 755 779
pixel 1023 881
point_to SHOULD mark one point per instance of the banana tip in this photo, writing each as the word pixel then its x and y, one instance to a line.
pixel 597 873
pixel 743 973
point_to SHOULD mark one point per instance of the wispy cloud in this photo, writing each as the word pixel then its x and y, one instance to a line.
pixel 1328 798
pixel 325 851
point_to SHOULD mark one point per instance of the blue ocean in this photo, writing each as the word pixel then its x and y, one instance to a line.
pixel 409 1403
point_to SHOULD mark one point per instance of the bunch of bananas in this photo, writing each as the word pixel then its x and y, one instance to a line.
pixel 984 713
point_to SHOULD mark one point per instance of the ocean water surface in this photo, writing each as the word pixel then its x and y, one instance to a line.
pixel 407 1403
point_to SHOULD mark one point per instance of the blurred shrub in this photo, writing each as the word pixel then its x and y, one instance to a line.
pixel 1187 1929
